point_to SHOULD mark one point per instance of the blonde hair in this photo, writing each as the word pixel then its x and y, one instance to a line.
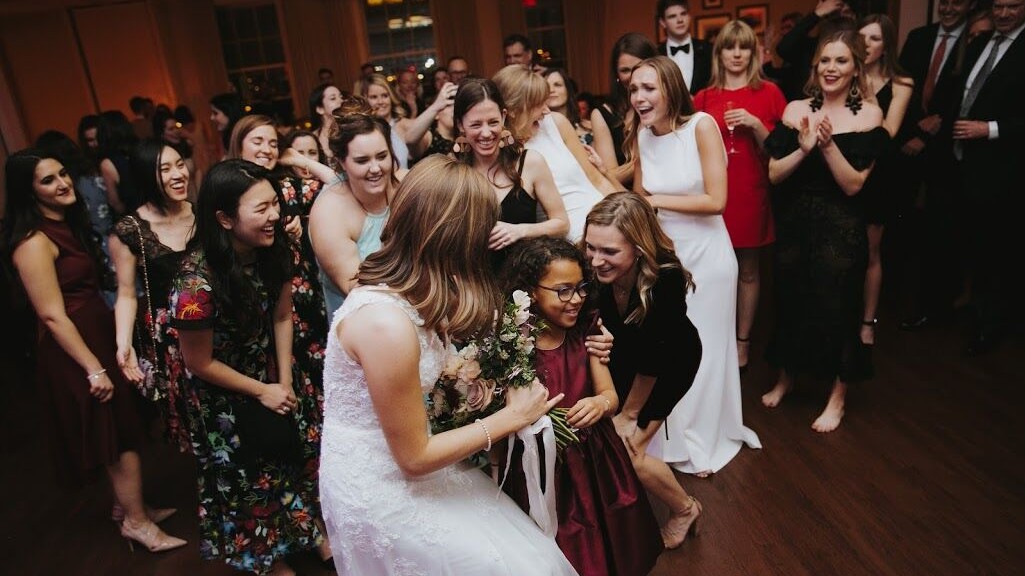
pixel 635 219
pixel 736 33
pixel 522 91
pixel 243 127
pixel 434 248
pixel 377 80
pixel 679 106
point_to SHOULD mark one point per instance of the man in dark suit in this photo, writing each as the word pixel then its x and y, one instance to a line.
pixel 989 141
pixel 933 57
pixel 693 56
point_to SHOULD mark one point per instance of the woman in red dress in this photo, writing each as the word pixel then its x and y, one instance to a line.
pixel 747 108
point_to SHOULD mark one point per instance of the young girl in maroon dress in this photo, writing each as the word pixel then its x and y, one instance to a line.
pixel 606 525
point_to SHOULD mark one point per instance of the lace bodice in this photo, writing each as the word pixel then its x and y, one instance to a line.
pixel 346 400
pixel 384 523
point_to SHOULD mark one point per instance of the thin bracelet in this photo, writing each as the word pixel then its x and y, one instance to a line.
pixel 96 374
pixel 608 405
pixel 486 433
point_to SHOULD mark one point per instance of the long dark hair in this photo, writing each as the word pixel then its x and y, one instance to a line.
pixel 287 141
pixel 160 118
pixel 222 188
pixel 22 216
pixel 634 44
pixel 889 64
pixel 473 91
pixel 572 112
pixel 317 100
pixel 115 135
pixel 230 104
pixel 146 161
pixel 86 123
pixel 63 148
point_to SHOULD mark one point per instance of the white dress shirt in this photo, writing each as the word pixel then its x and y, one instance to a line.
pixel 1009 38
pixel 685 60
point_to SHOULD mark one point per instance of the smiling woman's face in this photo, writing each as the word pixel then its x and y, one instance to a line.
pixel 260 146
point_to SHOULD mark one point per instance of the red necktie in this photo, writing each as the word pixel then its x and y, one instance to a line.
pixel 934 71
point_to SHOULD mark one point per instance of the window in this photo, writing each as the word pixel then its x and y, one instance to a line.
pixel 401 35
pixel 546 30
pixel 255 58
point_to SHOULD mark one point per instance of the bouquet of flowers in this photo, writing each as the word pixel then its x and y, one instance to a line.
pixel 475 377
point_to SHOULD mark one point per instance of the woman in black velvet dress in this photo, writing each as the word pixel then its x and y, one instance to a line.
pixel 820 156
pixel 642 298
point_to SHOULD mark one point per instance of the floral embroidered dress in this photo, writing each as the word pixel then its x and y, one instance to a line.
pixel 309 315
pixel 161 263
pixel 257 511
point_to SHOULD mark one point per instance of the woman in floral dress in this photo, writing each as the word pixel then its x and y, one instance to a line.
pixel 255 139
pixel 147 247
pixel 231 304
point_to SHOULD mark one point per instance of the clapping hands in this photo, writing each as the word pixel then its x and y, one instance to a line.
pixel 821 134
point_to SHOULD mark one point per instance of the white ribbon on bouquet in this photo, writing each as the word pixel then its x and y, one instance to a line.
pixel 541 499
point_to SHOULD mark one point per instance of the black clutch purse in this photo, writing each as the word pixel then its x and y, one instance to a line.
pixel 266 435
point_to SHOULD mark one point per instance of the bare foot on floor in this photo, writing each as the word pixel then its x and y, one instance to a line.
pixel 829 420
pixel 772 398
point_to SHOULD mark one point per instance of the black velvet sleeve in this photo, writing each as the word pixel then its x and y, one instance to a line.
pixel 782 141
pixel 862 148
pixel 666 327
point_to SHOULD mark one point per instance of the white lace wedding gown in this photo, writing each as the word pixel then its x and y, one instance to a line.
pixel 452 522
pixel 706 429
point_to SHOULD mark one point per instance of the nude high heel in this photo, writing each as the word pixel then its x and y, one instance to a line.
pixel 150 536
pixel 685 521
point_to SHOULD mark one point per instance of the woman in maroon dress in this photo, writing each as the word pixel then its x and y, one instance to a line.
pixel 747 108
pixel 91 416
pixel 606 525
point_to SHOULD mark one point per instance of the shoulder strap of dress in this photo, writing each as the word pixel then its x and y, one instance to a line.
pixel 364 295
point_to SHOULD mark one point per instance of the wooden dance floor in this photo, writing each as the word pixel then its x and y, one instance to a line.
pixel 926 476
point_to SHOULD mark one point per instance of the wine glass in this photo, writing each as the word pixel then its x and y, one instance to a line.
pixel 730 127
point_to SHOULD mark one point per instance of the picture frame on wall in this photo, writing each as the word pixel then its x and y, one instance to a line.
pixel 707 27
pixel 711 4
pixel 755 15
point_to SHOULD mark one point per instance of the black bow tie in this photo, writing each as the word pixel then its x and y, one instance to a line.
pixel 674 49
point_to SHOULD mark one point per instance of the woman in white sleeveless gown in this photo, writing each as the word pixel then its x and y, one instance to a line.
pixel 581 185
pixel 683 169
pixel 396 500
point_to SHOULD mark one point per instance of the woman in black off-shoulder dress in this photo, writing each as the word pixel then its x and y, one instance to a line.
pixel 820 156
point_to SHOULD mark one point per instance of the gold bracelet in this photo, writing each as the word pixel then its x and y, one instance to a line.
pixel 608 405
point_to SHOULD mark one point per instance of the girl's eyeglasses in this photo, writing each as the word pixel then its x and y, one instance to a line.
pixel 566 292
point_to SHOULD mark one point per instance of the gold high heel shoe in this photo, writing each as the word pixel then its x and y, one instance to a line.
pixel 150 536
pixel 685 521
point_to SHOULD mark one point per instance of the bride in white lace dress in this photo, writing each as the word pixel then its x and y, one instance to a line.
pixel 397 500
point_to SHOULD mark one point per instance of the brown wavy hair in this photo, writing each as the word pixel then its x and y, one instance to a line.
pixel 635 219
pixel 679 105
pixel 434 248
